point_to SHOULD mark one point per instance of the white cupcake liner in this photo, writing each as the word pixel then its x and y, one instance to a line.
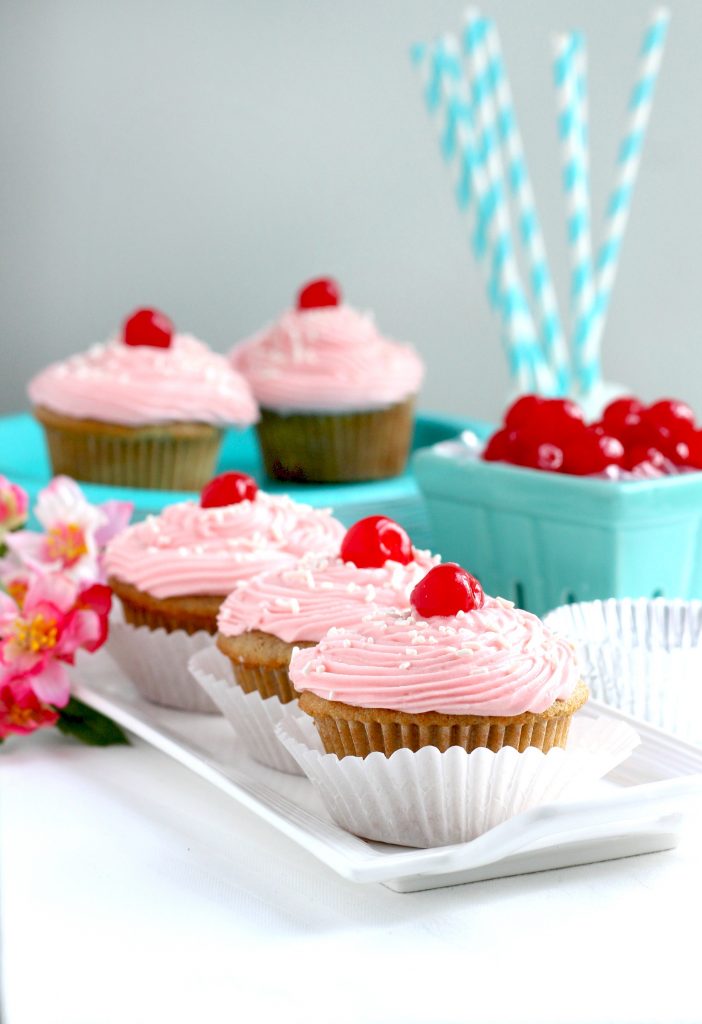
pixel 428 798
pixel 252 718
pixel 642 656
pixel 157 663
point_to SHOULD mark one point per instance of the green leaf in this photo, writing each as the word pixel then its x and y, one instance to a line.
pixel 88 726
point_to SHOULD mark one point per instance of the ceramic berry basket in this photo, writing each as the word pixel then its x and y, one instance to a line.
pixel 546 539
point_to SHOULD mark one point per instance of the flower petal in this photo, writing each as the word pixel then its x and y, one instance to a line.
pixel 51 683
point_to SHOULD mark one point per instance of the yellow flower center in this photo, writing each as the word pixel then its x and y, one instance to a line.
pixel 36 634
pixel 66 543
pixel 17 589
pixel 19 716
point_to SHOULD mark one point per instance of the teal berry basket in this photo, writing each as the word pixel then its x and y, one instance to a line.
pixel 545 539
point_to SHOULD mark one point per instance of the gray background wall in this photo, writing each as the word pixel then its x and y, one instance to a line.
pixel 207 157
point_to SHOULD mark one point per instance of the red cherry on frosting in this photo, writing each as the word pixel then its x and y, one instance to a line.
pixel 446 590
pixel 228 489
pixel 375 540
pixel 148 327
pixel 324 291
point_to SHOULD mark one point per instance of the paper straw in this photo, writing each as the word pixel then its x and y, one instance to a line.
pixel 493 237
pixel 628 164
pixel 485 129
pixel 542 286
pixel 581 92
pixel 578 203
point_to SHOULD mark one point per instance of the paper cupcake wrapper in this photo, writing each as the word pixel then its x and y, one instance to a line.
pixel 177 457
pixel 428 798
pixel 157 664
pixel 360 735
pixel 641 656
pixel 334 448
pixel 252 718
pixel 267 682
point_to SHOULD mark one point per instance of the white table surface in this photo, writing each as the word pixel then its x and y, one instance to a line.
pixel 132 891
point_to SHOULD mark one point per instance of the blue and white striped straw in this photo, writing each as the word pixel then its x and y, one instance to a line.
pixel 581 93
pixel 575 181
pixel 442 64
pixel 629 161
pixel 493 236
pixel 541 282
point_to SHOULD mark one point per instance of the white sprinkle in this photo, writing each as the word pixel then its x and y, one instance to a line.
pixel 183 552
pixel 326 585
pixel 319 669
pixel 412 651
pixel 404 664
pixel 370 593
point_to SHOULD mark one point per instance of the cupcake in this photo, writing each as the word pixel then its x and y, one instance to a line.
pixel 457 668
pixel 264 619
pixel 336 397
pixel 171 572
pixel 145 409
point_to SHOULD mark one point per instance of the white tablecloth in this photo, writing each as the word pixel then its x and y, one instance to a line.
pixel 134 892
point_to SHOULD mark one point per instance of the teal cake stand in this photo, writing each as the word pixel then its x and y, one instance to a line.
pixel 24 459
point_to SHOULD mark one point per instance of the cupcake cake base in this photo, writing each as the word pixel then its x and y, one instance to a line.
pixel 260 663
pixel 336 447
pixel 190 613
pixel 162 456
pixel 347 730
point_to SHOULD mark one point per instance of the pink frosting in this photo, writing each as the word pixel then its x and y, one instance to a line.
pixel 303 602
pixel 496 661
pixel 135 385
pixel 193 550
pixel 325 359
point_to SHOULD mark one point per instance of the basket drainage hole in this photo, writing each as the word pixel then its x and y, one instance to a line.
pixel 657 593
pixel 519 595
pixel 570 598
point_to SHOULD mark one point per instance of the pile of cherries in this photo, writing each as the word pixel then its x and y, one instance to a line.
pixel 551 434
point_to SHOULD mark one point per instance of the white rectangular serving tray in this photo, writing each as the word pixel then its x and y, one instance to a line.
pixel 639 808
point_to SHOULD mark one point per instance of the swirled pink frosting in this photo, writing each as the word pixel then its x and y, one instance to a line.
pixel 192 550
pixel 303 602
pixel 328 359
pixel 138 384
pixel 495 661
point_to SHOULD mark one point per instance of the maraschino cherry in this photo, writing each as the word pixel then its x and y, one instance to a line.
pixel 228 489
pixel 446 590
pixel 148 327
pixel 670 414
pixel 323 291
pixel 375 540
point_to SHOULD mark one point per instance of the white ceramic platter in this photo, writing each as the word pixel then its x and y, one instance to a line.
pixel 639 808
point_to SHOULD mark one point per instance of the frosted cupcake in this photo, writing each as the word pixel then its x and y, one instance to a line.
pixel 455 669
pixel 171 572
pixel 145 409
pixel 336 397
pixel 263 620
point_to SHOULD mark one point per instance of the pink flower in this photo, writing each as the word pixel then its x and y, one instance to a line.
pixel 41 633
pixel 14 506
pixel 21 711
pixel 75 532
